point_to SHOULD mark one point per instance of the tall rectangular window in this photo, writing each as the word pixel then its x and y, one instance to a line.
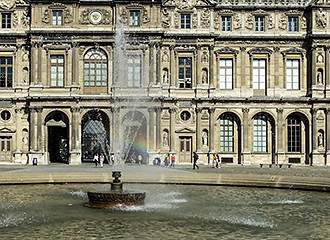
pixel 134 71
pixel 6 72
pixel 6 20
pixel 134 17
pixel 57 70
pixel 259 73
pixel 185 72
pixel 260 23
pixel 57 17
pixel 226 74
pixel 259 135
pixel 294 135
pixel 226 135
pixel 292 74
pixel 185 21
pixel 226 23
pixel 293 24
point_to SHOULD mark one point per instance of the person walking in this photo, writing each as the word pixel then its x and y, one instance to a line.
pixel 140 159
pixel 96 159
pixel 172 160
pixel 218 161
pixel 215 161
pixel 101 160
pixel 195 159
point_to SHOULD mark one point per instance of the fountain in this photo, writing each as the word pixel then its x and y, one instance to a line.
pixel 117 197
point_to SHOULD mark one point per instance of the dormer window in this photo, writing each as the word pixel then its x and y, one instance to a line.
pixel 185 21
pixel 226 23
pixel 57 17
pixel 293 24
pixel 6 20
pixel 259 23
pixel 134 17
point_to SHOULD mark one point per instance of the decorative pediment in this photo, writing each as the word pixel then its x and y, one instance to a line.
pixel 260 50
pixel 185 130
pixel 57 6
pixel 6 130
pixel 293 51
pixel 226 50
pixel 259 12
pixel 186 4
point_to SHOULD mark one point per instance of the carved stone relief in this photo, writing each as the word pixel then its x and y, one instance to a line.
pixel 321 19
pixel 166 19
pixel 67 16
pixel 15 19
pixel 165 57
pixel 7 4
pixel 205 18
pixel 282 24
pixel 185 5
pixel 95 16
pixel 237 21
pixel 303 23
pixel 25 19
pixel 205 57
pixel 270 22
pixel 194 21
pixel 176 20
pixel 249 22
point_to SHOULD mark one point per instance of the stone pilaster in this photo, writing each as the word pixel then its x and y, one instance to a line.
pixel 34 64
pixel 173 67
pixel 246 136
pixel 172 129
pixel 211 127
pixel 327 136
pixel 152 122
pixel 280 136
pixel 198 129
pixel 158 128
pixel 75 154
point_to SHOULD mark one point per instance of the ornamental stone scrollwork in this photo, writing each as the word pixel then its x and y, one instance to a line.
pixel 217 17
pixel 25 19
pixel 303 23
pixel 249 22
pixel 282 24
pixel 95 16
pixel 205 18
pixel 270 22
pixel 237 21
pixel 321 19
pixel 260 50
pixel 123 15
pixel 166 19
pixel 15 19
pixel 185 4
pixel 67 16
pixel 194 20
pixel 176 20
pixel 7 4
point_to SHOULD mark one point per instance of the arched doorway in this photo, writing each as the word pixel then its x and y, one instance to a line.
pixel 95 135
pixel 57 124
pixel 264 135
pixel 229 130
pixel 297 138
pixel 134 137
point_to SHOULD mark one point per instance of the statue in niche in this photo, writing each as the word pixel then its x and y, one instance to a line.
pixel 204 77
pixel 321 19
pixel 319 78
pixel 204 139
pixel 320 58
pixel 165 139
pixel 165 57
pixel 320 139
pixel 165 75
pixel 205 57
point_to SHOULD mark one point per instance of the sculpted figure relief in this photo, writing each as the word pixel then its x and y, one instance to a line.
pixel 282 22
pixel 205 18
pixel 249 22
pixel 237 21
pixel 321 19
pixel 6 4
pixel 165 18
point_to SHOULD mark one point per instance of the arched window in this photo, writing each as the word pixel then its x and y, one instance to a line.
pixel 95 68
pixel 294 134
pixel 226 133
pixel 260 134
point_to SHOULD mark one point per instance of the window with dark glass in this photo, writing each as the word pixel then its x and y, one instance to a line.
pixel 185 72
pixel 260 134
pixel 6 72
pixel 292 74
pixel 134 17
pixel 57 17
pixel 6 20
pixel 134 71
pixel 95 68
pixel 226 23
pixel 226 134
pixel 57 70
pixel 294 134
pixel 293 24
pixel 185 21
pixel 260 23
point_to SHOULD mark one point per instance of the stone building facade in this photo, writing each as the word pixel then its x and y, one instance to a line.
pixel 248 79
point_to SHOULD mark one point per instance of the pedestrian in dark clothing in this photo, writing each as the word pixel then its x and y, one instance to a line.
pixel 172 160
pixel 195 159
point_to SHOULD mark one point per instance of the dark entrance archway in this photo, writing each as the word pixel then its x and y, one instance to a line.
pixel 134 137
pixel 58 137
pixel 95 135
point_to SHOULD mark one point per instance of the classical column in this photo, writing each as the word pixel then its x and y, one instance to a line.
pixel 314 129
pixel 197 61
pixel 151 129
pixel 173 67
pixel 198 128
pixel 75 128
pixel 39 130
pixel 39 64
pixel 243 70
pixel 172 130
pixel 158 128
pixel 245 130
pixel 280 139
pixel 34 64
pixel 33 130
pixel 112 131
pixel 74 63
pixel 211 129
pixel 117 128
pixel 212 67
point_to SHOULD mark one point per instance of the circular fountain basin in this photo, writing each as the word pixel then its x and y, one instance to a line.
pixel 113 199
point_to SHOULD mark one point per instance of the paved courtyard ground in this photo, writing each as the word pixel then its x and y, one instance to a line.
pixel 309 178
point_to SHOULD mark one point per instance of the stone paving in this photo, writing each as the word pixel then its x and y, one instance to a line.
pixel 309 178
